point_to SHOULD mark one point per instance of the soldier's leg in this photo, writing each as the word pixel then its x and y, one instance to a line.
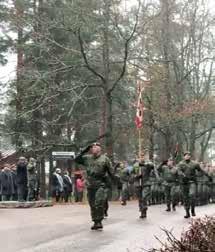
pixel 198 194
pixel 145 197
pixel 99 207
pixel 91 193
pixel 192 195
pixel 138 192
pixel 168 197
pixel 186 199
pixel 124 194
pixel 175 196
pixel 106 205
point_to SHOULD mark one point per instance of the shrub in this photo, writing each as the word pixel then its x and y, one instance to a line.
pixel 200 237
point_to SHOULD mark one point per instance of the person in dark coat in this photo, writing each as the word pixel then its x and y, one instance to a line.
pixel 57 185
pixel 14 178
pixel 7 188
pixel 67 186
pixel 22 179
pixel 0 184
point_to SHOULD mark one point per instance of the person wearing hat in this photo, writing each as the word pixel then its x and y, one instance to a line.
pixel 187 170
pixel 57 185
pixel 171 183
pixel 98 166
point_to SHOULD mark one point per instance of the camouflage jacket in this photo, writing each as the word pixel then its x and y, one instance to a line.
pixel 169 175
pixel 142 173
pixel 187 171
pixel 97 169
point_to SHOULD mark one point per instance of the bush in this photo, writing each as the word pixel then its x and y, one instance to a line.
pixel 200 237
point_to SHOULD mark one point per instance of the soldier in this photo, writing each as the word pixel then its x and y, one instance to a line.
pixel 187 171
pixel 171 183
pixel 32 179
pixel 98 166
pixel 143 185
pixel 124 178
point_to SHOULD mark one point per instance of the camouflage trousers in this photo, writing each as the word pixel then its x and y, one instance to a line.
pixel 143 194
pixel 97 198
pixel 125 192
pixel 189 195
pixel 32 184
pixel 172 194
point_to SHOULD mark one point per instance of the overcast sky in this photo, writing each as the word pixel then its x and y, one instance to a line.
pixel 7 72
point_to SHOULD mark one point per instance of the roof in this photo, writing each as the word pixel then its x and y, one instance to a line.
pixel 6 154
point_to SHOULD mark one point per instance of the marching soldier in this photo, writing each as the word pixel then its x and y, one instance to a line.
pixel 171 183
pixel 124 178
pixel 98 166
pixel 187 170
pixel 143 185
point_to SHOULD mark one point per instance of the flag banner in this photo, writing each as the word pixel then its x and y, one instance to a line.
pixel 140 107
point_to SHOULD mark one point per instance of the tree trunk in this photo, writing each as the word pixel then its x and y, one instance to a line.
pixel 19 72
pixel 109 127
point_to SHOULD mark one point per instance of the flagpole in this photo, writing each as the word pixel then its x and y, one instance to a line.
pixel 140 144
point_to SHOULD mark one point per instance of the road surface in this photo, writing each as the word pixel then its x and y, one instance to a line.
pixel 66 228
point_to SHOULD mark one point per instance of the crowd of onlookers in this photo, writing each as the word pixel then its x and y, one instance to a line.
pixel 64 187
pixel 20 182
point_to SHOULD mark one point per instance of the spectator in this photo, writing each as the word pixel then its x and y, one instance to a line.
pixel 22 180
pixel 0 184
pixel 14 178
pixel 32 179
pixel 80 188
pixel 7 188
pixel 57 185
pixel 67 186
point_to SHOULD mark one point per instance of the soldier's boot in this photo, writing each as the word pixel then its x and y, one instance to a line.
pixel 97 225
pixel 187 213
pixel 193 213
pixel 168 208
pixel 173 207
pixel 106 214
pixel 123 203
pixel 143 214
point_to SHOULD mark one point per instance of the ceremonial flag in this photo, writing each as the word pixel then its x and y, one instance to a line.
pixel 140 107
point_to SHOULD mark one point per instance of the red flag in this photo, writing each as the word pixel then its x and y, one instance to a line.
pixel 140 108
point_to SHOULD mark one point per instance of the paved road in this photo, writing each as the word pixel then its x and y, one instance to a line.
pixel 67 228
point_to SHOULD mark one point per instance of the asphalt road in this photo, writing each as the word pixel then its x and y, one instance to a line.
pixel 66 228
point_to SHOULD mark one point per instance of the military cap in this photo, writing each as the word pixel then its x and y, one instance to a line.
pixel 96 144
pixel 187 153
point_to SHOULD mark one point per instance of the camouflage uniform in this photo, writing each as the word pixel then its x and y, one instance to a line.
pixel 171 184
pixel 124 178
pixel 97 167
pixel 187 170
pixel 143 185
pixel 32 180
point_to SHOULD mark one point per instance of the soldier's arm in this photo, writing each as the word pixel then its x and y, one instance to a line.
pixel 82 158
pixel 109 167
pixel 198 168
pixel 156 170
